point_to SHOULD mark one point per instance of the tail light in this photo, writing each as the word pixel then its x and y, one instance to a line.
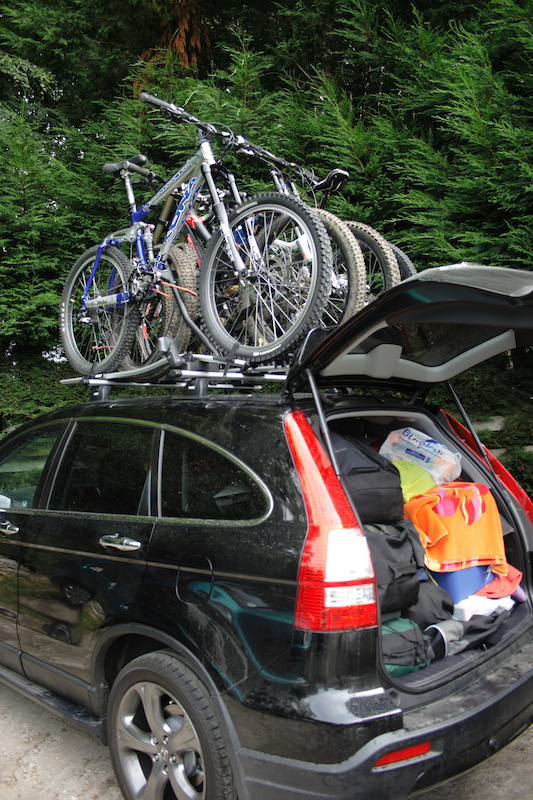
pixel 336 584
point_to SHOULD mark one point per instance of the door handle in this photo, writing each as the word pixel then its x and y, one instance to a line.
pixel 120 542
pixel 7 528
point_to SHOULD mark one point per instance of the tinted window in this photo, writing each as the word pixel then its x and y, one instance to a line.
pixel 431 344
pixel 22 465
pixel 106 469
pixel 201 483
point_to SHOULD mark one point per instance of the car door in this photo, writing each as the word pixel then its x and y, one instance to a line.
pixel 23 459
pixel 208 558
pixel 424 331
pixel 83 556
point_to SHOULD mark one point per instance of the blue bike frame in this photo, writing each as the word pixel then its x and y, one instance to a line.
pixel 191 177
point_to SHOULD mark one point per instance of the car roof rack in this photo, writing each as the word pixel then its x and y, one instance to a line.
pixel 197 373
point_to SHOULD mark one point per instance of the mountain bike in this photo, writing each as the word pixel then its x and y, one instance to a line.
pixel 264 279
pixel 367 273
pixel 348 269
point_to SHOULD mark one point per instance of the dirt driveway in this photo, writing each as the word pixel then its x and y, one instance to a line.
pixel 41 758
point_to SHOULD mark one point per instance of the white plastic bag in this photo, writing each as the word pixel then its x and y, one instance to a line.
pixel 476 604
pixel 408 444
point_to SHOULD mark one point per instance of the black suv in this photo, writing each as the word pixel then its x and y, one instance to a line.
pixel 185 575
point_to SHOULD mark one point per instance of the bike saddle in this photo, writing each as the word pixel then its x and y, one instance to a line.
pixel 333 182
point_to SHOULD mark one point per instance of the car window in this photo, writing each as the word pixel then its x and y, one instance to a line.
pixel 430 343
pixel 200 482
pixel 22 465
pixel 106 469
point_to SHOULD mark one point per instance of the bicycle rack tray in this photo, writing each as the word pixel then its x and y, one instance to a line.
pixel 196 373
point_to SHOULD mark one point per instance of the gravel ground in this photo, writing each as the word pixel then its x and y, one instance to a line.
pixel 43 758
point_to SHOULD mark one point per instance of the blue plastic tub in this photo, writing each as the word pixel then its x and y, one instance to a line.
pixel 463 582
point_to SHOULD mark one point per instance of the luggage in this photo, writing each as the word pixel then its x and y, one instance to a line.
pixel 371 481
pixel 403 646
pixel 397 555
pixel 417 623
pixel 408 444
pixel 434 605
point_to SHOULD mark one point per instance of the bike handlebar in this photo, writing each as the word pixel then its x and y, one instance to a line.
pixel 242 145
pixel 156 101
pixel 110 169
pixel 179 113
pixel 334 181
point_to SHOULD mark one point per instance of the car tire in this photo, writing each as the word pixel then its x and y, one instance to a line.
pixel 164 736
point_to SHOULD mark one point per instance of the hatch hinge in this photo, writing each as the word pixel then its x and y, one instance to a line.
pixel 419 395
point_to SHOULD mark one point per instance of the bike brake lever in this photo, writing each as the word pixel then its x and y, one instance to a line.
pixel 153 179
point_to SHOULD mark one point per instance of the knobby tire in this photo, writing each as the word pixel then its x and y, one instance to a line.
pixel 348 283
pixel 382 270
pixel 263 314
pixel 97 339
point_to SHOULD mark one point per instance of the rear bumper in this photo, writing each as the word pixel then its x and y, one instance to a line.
pixel 463 730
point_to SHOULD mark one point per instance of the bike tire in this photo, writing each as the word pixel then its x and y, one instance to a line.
pixel 160 315
pixel 348 284
pixel 262 315
pixel 405 265
pixel 382 272
pixel 97 339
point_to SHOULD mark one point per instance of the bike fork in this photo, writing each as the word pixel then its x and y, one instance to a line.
pixel 117 299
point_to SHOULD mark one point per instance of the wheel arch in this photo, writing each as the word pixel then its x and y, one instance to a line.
pixel 122 643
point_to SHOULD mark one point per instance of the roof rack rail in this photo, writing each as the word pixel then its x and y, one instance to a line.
pixel 197 373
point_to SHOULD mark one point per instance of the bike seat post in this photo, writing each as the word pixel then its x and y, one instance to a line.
pixel 324 199
pixel 126 177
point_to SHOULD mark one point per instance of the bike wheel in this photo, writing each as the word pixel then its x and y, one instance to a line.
pixel 262 314
pixel 96 339
pixel 405 265
pixel 160 315
pixel 348 280
pixel 382 270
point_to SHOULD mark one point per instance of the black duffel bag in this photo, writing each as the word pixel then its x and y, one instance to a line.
pixel 371 481
pixel 434 605
pixel 404 648
pixel 397 555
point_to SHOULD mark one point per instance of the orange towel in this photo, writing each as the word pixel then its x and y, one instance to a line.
pixel 459 526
